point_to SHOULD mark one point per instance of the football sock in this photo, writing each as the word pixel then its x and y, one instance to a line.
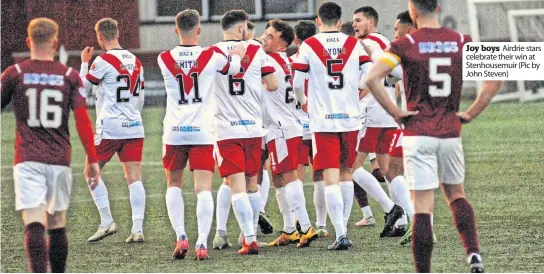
pixel 100 197
pixel 297 202
pixel 255 200
pixel 335 207
pixel 399 186
pixel 367 211
pixel 137 202
pixel 176 210
pixel 265 188
pixel 463 216
pixel 373 188
pixel 204 217
pixel 58 249
pixel 360 195
pixel 320 204
pixel 422 242
pixel 288 215
pixel 244 214
pixel 223 207
pixel 35 248
pixel 347 190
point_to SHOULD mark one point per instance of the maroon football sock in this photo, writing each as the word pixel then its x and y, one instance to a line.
pixel 58 249
pixel 465 221
pixel 422 242
pixel 35 247
pixel 360 195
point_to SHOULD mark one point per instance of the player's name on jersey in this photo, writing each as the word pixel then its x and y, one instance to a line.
pixel 503 61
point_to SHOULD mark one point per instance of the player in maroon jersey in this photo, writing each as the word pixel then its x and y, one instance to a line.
pixel 43 92
pixel 433 155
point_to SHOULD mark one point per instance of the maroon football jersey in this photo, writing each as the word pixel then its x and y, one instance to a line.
pixel 42 92
pixel 432 64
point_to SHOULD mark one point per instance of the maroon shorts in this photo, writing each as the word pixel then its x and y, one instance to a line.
pixel 377 140
pixel 290 162
pixel 128 150
pixel 334 149
pixel 239 155
pixel 200 157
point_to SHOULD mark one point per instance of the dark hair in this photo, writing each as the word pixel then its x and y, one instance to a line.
pixel 287 32
pixel 329 13
pixel 250 25
pixel 426 6
pixel 347 28
pixel 404 18
pixel 305 29
pixel 187 20
pixel 369 12
pixel 230 18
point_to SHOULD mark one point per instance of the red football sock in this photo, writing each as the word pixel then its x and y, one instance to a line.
pixel 35 248
pixel 58 249
pixel 422 242
pixel 360 195
pixel 465 221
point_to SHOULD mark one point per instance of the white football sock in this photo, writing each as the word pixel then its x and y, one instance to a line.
pixel 399 186
pixel 320 204
pixel 176 210
pixel 373 188
pixel 204 217
pixel 244 215
pixel 346 188
pixel 335 207
pixel 137 203
pixel 223 207
pixel 100 197
pixel 264 189
pixel 289 223
pixel 297 203
pixel 367 212
pixel 255 200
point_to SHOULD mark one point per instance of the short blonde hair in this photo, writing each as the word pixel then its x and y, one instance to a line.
pixel 42 30
pixel 107 27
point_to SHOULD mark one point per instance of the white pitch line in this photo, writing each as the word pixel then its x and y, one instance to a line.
pixel 107 165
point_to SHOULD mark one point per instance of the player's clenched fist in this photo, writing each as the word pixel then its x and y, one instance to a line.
pixel 87 54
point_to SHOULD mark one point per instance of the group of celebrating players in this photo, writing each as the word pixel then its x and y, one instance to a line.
pixel 241 101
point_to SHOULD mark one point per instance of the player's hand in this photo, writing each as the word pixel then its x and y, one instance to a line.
pixel 92 172
pixel 304 107
pixel 367 48
pixel 240 50
pixel 401 116
pixel 465 117
pixel 87 54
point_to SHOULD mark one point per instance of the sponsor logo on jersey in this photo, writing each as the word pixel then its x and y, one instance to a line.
pixel 337 116
pixel 43 79
pixel 243 123
pixel 185 129
pixel 438 47
pixel 132 124
pixel 306 125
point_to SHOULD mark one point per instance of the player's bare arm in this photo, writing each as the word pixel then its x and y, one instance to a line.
pixel 270 82
pixel 374 82
pixel 486 94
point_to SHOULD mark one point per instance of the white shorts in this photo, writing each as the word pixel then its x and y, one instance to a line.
pixel 37 184
pixel 429 161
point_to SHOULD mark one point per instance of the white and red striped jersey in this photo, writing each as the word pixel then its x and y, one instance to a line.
pixel 375 114
pixel 119 99
pixel 303 117
pixel 279 106
pixel 189 78
pixel 334 63
pixel 238 97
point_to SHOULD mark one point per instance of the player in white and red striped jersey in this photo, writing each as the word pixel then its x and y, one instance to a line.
pixel 43 92
pixel 335 63
pixel 119 128
pixel 239 124
pixel 283 138
pixel 189 133
pixel 379 127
